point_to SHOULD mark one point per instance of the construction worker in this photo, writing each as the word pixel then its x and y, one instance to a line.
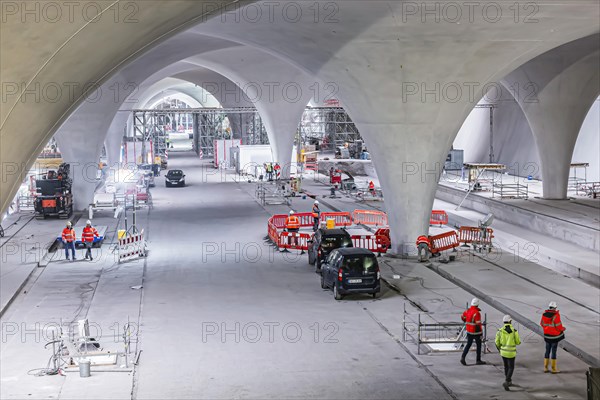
pixel 554 332
pixel 472 318
pixel 68 238
pixel 372 188
pixel 507 340
pixel 269 171
pixel 292 223
pixel 316 213
pixel 87 237
pixel 423 248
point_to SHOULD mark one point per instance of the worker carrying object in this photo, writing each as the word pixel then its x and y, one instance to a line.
pixel 68 238
pixel 316 213
pixel 472 317
pixel 507 340
pixel 423 248
pixel 554 332
pixel 292 223
pixel 87 237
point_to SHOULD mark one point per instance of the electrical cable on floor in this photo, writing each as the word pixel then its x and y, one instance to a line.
pixel 55 362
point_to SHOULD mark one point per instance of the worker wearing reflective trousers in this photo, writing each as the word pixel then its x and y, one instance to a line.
pixel 68 238
pixel 507 340
pixel 554 332
pixel 292 223
pixel 316 213
pixel 87 237
pixel 472 317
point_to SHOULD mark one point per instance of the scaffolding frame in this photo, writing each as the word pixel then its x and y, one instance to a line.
pixel 330 126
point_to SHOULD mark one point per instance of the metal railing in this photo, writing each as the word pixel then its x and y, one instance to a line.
pixel 510 191
pixel 590 189
pixel 435 333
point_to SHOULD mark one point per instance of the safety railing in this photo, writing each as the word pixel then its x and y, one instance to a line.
pixel 25 203
pixel 370 217
pixel 510 191
pixel 438 217
pixel 443 242
pixel 476 236
pixel 438 336
pixel 340 218
pixel 590 189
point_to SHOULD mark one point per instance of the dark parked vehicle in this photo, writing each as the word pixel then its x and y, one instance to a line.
pixel 351 270
pixel 175 177
pixel 323 242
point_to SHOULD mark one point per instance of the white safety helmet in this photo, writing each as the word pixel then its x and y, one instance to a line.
pixel 88 222
pixel 317 202
pixel 291 212
pixel 507 319
pixel 69 224
pixel 475 302
pixel 553 305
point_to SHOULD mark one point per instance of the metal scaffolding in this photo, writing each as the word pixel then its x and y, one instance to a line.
pixel 328 126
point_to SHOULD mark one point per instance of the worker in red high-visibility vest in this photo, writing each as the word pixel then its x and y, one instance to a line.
pixel 87 237
pixel 68 238
pixel 423 248
pixel 472 317
pixel 372 188
pixel 554 332
pixel 292 223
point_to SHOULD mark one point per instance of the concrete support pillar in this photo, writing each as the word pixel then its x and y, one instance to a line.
pixel 555 91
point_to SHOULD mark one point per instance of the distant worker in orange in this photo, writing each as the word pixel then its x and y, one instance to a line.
pixel 554 332
pixel 87 237
pixel 292 223
pixel 423 248
pixel 68 238
pixel 316 213
pixel 472 317
pixel 372 188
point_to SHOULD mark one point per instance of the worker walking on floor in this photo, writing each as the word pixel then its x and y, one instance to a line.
pixel 554 332
pixel 472 318
pixel 507 340
pixel 316 213
pixel 87 237
pixel 68 238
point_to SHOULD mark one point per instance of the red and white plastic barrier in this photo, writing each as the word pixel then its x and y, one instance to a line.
pixel 132 246
pixel 471 234
pixel 438 217
pixel 443 242
pixel 370 217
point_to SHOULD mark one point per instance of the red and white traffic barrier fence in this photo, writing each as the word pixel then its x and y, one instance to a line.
pixel 294 240
pixel 132 246
pixel 443 242
pixel 340 218
pixel 476 236
pixel 370 217
pixel 438 217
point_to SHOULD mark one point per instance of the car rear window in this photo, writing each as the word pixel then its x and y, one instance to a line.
pixel 335 242
pixel 358 264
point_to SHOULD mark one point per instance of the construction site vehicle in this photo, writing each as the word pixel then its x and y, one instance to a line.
pixel 53 196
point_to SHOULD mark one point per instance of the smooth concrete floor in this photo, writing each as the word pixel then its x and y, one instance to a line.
pixel 223 315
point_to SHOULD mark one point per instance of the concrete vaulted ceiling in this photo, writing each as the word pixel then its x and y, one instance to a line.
pixel 407 79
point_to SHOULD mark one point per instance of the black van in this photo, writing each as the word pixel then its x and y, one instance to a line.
pixel 324 241
pixel 351 270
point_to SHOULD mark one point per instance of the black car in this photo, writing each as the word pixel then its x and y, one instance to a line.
pixel 175 177
pixel 351 270
pixel 324 241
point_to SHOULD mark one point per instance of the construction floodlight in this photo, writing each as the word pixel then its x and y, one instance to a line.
pixel 487 221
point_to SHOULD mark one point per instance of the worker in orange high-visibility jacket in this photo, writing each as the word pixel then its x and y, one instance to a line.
pixel 423 248
pixel 472 317
pixel 68 238
pixel 292 223
pixel 316 213
pixel 87 237
pixel 554 332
